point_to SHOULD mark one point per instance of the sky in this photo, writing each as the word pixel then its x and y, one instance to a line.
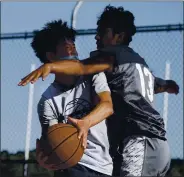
pixel 17 57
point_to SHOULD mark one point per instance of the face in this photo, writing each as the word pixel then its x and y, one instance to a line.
pixel 65 49
pixel 105 37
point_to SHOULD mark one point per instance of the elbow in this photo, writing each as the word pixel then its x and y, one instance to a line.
pixel 110 110
pixel 82 69
pixel 86 70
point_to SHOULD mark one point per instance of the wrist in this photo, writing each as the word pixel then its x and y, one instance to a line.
pixel 87 122
pixel 50 67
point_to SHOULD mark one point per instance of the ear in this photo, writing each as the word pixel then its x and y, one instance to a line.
pixel 50 56
pixel 120 38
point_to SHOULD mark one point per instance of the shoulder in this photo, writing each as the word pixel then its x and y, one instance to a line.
pixel 52 91
pixel 100 76
pixel 48 95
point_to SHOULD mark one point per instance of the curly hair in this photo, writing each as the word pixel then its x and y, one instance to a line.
pixel 47 39
pixel 119 20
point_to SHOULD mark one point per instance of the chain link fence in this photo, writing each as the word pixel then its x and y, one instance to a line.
pixel 156 45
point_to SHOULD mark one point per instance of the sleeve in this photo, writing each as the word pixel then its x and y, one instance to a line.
pixel 159 83
pixel 46 114
pixel 99 83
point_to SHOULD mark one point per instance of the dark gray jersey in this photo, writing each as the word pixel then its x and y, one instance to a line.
pixel 132 87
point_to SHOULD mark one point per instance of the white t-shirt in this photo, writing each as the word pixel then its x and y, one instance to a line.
pixel 57 103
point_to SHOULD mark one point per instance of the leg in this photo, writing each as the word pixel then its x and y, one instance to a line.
pixel 142 156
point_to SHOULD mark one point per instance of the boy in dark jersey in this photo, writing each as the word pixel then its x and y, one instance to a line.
pixel 142 147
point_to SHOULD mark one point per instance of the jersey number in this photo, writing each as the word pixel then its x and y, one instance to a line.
pixel 146 79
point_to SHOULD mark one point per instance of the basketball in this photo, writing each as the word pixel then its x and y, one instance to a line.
pixel 62 146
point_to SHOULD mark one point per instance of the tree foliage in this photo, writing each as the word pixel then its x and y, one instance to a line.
pixel 12 165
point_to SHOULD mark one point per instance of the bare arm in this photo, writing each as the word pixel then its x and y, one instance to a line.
pixel 101 98
pixel 103 109
pixel 85 67
pixel 162 85
pixel 71 67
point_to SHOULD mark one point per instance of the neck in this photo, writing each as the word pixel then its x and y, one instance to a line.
pixel 65 80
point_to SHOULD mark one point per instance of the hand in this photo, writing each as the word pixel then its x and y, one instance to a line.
pixel 42 71
pixel 41 158
pixel 172 87
pixel 83 126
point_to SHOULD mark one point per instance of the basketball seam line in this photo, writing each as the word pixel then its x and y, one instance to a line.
pixel 61 143
pixel 71 155
pixel 60 127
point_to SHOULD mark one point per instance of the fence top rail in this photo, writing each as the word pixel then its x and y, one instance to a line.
pixel 156 28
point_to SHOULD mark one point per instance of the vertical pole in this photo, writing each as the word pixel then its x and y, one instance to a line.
pixel 29 120
pixel 166 96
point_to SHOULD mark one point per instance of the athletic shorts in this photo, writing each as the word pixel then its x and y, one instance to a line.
pixel 142 156
pixel 79 171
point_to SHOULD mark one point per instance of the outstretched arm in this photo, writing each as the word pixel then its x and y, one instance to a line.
pixel 162 85
pixel 71 67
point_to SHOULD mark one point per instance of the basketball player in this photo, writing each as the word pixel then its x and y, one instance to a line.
pixel 143 148
pixel 69 100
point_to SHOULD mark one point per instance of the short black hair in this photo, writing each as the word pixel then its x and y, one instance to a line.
pixel 47 39
pixel 118 19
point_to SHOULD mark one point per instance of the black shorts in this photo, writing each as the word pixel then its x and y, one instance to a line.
pixel 142 156
pixel 78 171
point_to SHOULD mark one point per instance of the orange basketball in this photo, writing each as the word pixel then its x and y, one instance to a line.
pixel 62 146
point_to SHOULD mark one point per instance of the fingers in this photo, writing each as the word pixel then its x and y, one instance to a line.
pixel 22 80
pixel 83 134
pixel 45 75
pixel 80 134
pixel 54 167
pixel 83 130
pixel 42 162
pixel 27 79
pixel 35 78
pixel 76 123
pixel 42 159
pixel 175 88
pixel 84 141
